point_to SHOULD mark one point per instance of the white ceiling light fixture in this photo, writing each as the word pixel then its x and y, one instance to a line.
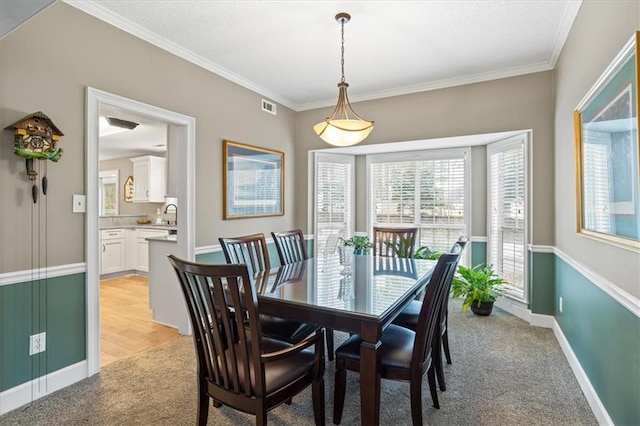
pixel 344 127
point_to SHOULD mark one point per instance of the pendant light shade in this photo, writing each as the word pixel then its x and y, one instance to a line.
pixel 344 127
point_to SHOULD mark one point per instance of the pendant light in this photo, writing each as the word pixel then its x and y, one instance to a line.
pixel 344 127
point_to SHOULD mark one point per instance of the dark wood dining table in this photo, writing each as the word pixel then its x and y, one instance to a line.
pixel 363 298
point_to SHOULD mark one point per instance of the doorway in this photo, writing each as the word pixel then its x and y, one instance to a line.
pixel 181 135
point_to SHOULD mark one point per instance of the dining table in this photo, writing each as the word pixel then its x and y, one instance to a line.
pixel 360 296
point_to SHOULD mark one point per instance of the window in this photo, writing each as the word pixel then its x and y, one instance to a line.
pixel 426 189
pixel 108 201
pixel 506 185
pixel 333 200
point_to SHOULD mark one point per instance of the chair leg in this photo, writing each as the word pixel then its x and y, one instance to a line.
pixel 329 337
pixel 436 352
pixel 416 401
pixel 317 395
pixel 432 386
pixel 445 345
pixel 261 417
pixel 203 402
pixel 289 401
pixel 217 404
pixel 339 391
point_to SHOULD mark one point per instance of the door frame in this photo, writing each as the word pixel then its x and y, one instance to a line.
pixel 182 131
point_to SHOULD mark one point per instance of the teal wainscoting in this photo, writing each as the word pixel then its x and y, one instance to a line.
pixel 55 306
pixel 542 278
pixel 478 252
pixel 605 337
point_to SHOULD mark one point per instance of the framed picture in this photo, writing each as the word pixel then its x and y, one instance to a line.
pixel 607 154
pixel 253 180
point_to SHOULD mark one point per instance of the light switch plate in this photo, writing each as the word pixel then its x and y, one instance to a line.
pixel 79 203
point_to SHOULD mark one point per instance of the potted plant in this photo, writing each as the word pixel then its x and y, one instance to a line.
pixel 480 287
pixel 360 244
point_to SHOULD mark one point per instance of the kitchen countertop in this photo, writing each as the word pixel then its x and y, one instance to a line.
pixel 168 238
pixel 138 226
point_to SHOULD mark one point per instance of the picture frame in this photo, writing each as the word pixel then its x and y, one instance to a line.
pixel 607 153
pixel 253 181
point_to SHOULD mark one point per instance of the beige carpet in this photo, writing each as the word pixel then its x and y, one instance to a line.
pixel 504 372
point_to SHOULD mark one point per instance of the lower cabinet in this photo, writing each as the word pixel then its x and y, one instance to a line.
pixel 142 246
pixel 126 249
pixel 113 251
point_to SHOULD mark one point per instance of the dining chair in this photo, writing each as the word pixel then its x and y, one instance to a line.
pixel 292 248
pixel 238 366
pixel 252 250
pixel 410 315
pixel 404 354
pixel 290 245
pixel 394 242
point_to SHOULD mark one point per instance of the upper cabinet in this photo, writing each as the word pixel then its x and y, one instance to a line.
pixel 149 179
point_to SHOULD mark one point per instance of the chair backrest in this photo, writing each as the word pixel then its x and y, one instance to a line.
pixel 227 345
pixel 462 242
pixel 249 249
pixel 290 245
pixel 435 295
pixel 394 242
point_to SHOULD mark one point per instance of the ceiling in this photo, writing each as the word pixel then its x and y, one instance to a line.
pixel 289 51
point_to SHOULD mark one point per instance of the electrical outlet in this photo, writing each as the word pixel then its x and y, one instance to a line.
pixel 560 304
pixel 37 343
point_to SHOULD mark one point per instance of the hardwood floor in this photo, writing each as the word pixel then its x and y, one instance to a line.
pixel 125 319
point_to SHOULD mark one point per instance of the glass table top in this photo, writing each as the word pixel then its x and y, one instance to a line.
pixel 368 286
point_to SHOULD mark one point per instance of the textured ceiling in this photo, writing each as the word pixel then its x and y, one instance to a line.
pixel 289 51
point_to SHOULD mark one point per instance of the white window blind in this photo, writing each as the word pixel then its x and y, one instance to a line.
pixel 333 209
pixel 596 185
pixel 427 190
pixel 506 233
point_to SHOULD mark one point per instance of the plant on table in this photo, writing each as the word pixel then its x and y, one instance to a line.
pixel 360 244
pixel 480 286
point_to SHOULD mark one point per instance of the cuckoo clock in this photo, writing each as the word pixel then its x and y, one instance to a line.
pixel 36 138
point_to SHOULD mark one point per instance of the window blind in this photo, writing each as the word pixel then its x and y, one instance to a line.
pixel 428 191
pixel 506 233
pixel 333 201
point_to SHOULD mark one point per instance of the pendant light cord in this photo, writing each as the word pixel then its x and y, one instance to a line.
pixel 342 51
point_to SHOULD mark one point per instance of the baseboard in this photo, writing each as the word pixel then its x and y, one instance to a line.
pixel 514 309
pixel 596 405
pixel 42 386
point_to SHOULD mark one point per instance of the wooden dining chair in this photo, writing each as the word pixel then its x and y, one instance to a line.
pixel 404 354
pixel 292 248
pixel 410 315
pixel 252 250
pixel 237 366
pixel 394 242
pixel 290 245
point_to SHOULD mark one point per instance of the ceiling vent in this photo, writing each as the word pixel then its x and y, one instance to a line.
pixel 118 122
pixel 269 107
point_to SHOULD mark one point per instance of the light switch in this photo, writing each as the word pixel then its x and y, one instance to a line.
pixel 79 203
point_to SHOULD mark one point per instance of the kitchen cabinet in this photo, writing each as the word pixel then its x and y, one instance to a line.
pixel 113 251
pixel 149 179
pixel 142 246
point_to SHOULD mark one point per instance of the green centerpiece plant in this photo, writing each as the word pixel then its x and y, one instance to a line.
pixel 360 244
pixel 480 286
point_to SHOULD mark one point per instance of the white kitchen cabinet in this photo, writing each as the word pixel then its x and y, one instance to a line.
pixel 142 246
pixel 149 179
pixel 112 251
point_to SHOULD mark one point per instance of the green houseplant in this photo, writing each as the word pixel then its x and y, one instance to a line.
pixel 424 252
pixel 480 287
pixel 360 244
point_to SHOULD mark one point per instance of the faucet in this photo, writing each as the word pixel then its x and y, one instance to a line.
pixel 176 211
